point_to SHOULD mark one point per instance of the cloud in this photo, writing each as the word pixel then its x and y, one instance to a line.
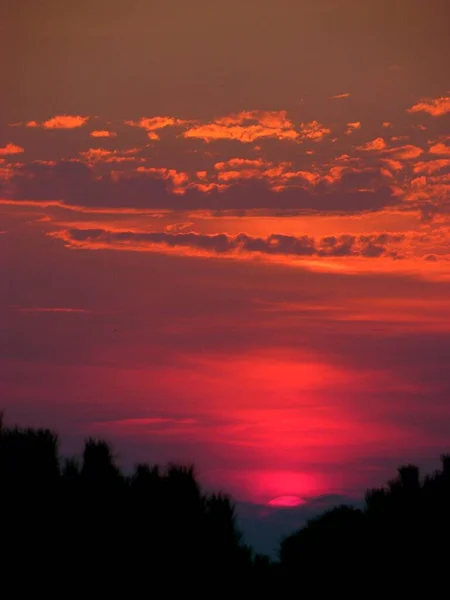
pixel 432 166
pixel 94 155
pixel 11 149
pixel 440 149
pixel 374 145
pixel 368 246
pixel 279 175
pixel 407 152
pixel 246 127
pixel 314 131
pixel 339 96
pixel 75 183
pixel 353 126
pixel 237 163
pixel 436 107
pixel 179 179
pixel 60 122
pixel 153 124
pixel 394 165
pixel 102 133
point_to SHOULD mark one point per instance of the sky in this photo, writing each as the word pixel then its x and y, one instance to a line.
pixel 224 236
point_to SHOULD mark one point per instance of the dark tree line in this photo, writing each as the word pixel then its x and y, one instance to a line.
pixel 71 527
pixel 399 542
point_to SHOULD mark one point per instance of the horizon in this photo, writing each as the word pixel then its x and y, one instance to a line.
pixel 224 237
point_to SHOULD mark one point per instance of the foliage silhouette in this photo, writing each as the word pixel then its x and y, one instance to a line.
pixel 87 526
pixel 398 541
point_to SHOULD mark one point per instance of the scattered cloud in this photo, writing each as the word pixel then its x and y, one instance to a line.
pixel 436 107
pixel 432 166
pixel 94 155
pixel 440 149
pixel 314 131
pixel 407 152
pixel 246 127
pixel 103 133
pixel 353 126
pixel 60 122
pixel 11 149
pixel 153 124
pixel 374 145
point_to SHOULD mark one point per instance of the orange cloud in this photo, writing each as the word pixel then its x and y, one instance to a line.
pixel 440 149
pixel 395 165
pixel 432 166
pixel 94 155
pixel 338 96
pixel 11 149
pixel 374 145
pixel 246 127
pixel 407 152
pixel 242 174
pixel 60 122
pixel 267 118
pixel 153 124
pixel 314 131
pixel 436 107
pixel 387 124
pixel 240 169
pixel 241 162
pixel 351 127
pixel 179 179
pixel 101 133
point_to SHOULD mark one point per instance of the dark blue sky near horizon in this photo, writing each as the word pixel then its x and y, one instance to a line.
pixel 224 239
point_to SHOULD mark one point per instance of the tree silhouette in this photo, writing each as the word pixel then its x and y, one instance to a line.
pixel 86 527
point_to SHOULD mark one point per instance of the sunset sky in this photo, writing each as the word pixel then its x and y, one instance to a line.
pixel 224 235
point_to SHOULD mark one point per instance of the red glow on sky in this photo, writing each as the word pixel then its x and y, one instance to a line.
pixel 237 254
pixel 286 501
